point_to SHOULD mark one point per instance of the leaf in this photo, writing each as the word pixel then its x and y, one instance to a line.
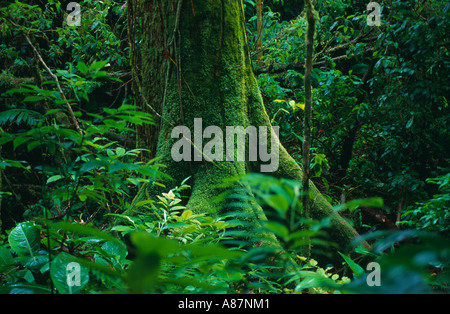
pixel 117 166
pixel 19 90
pixel 276 201
pixel 356 269
pixel 144 202
pixel 72 135
pixel 29 117
pixel 369 202
pixel 301 106
pixel 54 178
pixel 99 74
pixel 210 252
pixel 24 239
pixel 310 279
pixel 186 214
pixel 97 65
pixel 12 163
pixel 33 98
pixel 5 138
pixel 143 273
pixel 116 249
pixel 6 258
pixel 68 276
pixel 147 244
pixel 124 229
pixel 21 288
pixel 120 151
pixel 91 165
pixel 82 230
pixel 410 122
pixel 82 67
pixel 19 141
pixel 277 228
pixel 32 145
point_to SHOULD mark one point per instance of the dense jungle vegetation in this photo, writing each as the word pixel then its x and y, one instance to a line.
pixel 77 146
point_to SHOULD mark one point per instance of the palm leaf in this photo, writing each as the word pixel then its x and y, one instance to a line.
pixel 26 116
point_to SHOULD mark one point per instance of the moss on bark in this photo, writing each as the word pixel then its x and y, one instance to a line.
pixel 195 63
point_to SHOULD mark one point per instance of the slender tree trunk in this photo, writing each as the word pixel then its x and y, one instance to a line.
pixel 1 188
pixel 308 107
pixel 259 28
pixel 195 63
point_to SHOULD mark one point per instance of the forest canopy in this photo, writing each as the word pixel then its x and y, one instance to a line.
pixel 93 201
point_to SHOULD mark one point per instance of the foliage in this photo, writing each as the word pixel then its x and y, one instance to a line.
pixel 177 253
pixel 380 107
pixel 380 138
pixel 420 265
pixel 160 264
pixel 432 215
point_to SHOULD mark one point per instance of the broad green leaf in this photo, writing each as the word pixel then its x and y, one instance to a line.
pixel 68 276
pixel 82 67
pixel 116 249
pixel 24 239
pixel 276 201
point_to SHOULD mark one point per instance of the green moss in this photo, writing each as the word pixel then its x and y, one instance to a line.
pixel 211 77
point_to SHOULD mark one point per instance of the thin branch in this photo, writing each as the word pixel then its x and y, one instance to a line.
pixel 55 77
pixel 344 45
pixel 297 66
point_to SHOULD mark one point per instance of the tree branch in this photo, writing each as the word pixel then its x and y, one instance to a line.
pixel 55 77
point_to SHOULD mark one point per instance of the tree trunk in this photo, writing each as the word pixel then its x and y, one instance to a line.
pixel 194 62
pixel 259 29
pixel 308 106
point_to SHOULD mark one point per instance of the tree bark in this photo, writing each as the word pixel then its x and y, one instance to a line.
pixel 308 106
pixel 259 29
pixel 194 62
pixel 308 102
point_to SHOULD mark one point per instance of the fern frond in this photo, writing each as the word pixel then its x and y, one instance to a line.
pixel 26 116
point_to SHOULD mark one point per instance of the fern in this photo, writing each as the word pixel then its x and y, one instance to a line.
pixel 26 116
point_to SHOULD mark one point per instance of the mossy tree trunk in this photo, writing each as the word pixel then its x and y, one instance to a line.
pixel 192 62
